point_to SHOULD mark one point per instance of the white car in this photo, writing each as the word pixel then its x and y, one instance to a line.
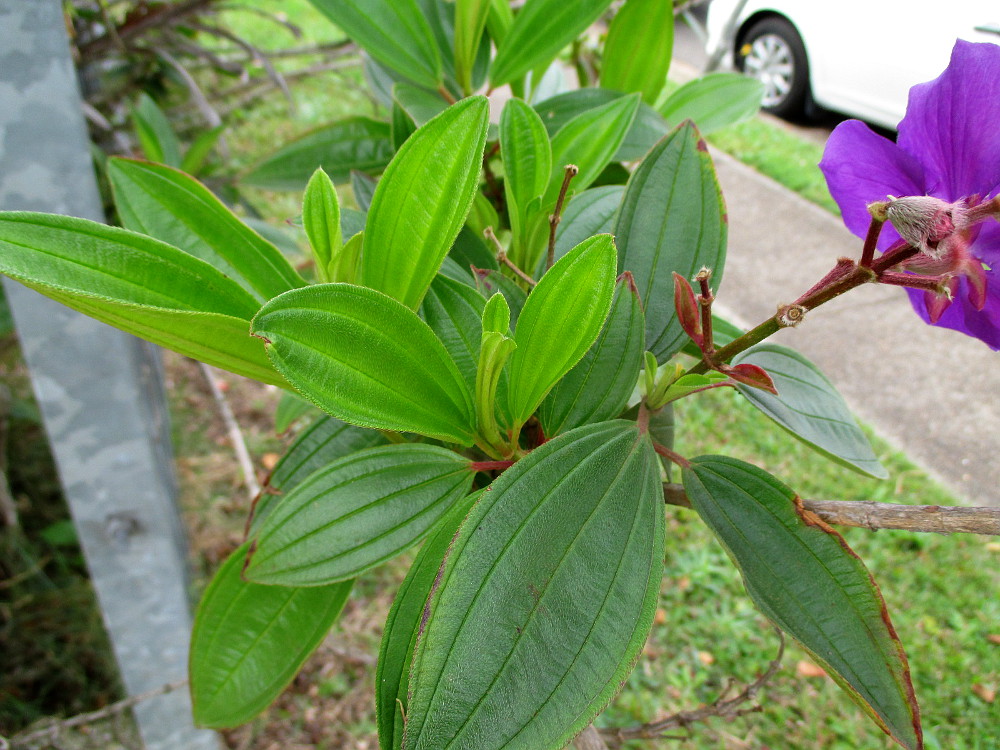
pixel 859 57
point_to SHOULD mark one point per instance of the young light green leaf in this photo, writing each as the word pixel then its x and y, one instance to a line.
pixel 421 202
pixel 599 386
pixel 672 218
pixel 394 32
pixel 392 670
pixel 470 20
pixel 138 284
pixel 589 141
pixel 527 162
pixel 344 267
pixel 353 143
pixel 357 513
pixel 291 408
pixel 321 219
pixel 552 606
pixel 647 128
pixel 805 578
pixel 810 408
pixel 499 20
pixel 560 321
pixel 714 101
pixel 453 310
pixel 156 137
pixel 540 30
pixel 322 442
pixel 638 49
pixel 250 640
pixel 367 359
pixel 171 206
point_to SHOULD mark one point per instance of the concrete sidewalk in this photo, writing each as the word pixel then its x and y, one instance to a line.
pixel 931 392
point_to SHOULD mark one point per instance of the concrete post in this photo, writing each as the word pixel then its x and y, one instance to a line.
pixel 98 389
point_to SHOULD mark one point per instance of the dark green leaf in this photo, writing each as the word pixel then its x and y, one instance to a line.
pixel 599 386
pixel 363 188
pixel 291 407
pixel 322 442
pixel 714 101
pixel 805 578
pixel 540 30
pixel 356 513
pixel 810 408
pixel 167 204
pixel 420 104
pixel 453 311
pixel 250 640
pixel 469 250
pixel 421 202
pixel 560 321
pixel 394 32
pixel 197 153
pixel 647 128
pixel 672 218
pixel 588 213
pixel 365 358
pixel 638 49
pixel 355 143
pixel 548 590
pixel 392 670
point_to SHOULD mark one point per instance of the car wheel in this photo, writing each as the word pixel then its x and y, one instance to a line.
pixel 773 53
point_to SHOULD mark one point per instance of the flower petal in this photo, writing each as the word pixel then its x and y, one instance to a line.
pixel 951 123
pixel 962 315
pixel 861 167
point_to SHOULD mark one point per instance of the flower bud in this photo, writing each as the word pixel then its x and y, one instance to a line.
pixel 926 222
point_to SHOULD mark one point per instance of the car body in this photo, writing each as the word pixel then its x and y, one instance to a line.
pixel 859 57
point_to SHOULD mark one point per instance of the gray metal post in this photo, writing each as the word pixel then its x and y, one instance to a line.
pixel 98 389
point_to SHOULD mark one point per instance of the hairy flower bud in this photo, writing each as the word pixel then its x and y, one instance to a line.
pixel 927 222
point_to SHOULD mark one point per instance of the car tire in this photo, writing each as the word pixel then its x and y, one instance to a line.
pixel 772 52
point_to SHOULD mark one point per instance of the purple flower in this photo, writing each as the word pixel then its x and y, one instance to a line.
pixel 949 148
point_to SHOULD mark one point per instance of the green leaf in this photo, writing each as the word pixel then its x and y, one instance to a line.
pixel 672 218
pixel 365 358
pixel 354 143
pixel 171 206
pixel 561 319
pixel 357 513
pixel 647 128
pixel 363 188
pixel 323 441
pixel 588 213
pixel 453 310
pixel 496 346
pixel 197 153
pixel 599 386
pixel 156 137
pixel 392 670
pixel 470 20
pixel 540 30
pixel 551 606
pixel 714 101
pixel 527 163
pixel 469 250
pixel 138 284
pixel 638 49
pixel 291 408
pixel 421 202
pixel 394 32
pixel 250 640
pixel 589 141
pixel 810 408
pixel 420 104
pixel 805 578
pixel 491 282
pixel 321 219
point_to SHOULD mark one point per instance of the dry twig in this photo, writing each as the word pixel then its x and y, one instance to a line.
pixel 235 434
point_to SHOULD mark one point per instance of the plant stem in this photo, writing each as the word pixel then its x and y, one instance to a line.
pixel 932 519
pixel 571 171
pixel 502 258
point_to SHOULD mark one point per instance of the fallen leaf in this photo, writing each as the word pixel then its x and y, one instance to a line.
pixel 808 669
pixel 270 460
pixel 706 658
pixel 994 638
pixel 988 694
pixel 660 618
